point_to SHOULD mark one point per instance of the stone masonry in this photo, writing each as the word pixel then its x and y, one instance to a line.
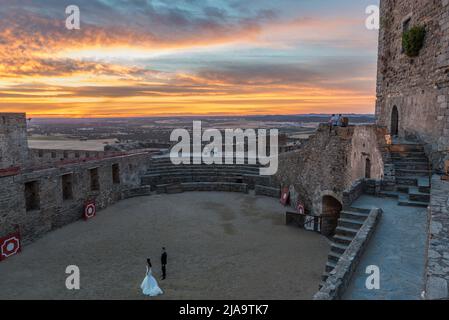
pixel 32 181
pixel 329 163
pixel 418 87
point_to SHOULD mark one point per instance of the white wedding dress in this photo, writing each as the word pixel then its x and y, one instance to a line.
pixel 149 285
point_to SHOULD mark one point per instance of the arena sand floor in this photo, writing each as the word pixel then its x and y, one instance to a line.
pixel 220 246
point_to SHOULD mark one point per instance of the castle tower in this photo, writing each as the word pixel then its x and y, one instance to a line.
pixel 413 90
pixel 13 140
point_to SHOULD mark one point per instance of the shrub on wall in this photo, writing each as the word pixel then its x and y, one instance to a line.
pixel 413 40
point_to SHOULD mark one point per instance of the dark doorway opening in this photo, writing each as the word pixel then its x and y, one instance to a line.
pixel 32 201
pixel 67 187
pixel 368 168
pixel 394 121
pixel 331 213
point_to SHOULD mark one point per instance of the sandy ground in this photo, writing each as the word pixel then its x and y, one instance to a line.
pixel 220 246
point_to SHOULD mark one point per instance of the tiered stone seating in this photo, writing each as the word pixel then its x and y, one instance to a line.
pixel 165 177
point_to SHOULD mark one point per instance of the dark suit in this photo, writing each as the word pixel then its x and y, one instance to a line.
pixel 164 263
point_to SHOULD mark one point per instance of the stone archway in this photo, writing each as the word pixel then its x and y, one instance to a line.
pixel 331 209
pixel 394 121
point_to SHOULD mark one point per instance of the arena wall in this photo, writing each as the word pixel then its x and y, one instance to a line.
pixel 52 210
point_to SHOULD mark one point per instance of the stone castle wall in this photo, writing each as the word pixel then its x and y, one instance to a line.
pixel 329 163
pixel 418 87
pixel 13 140
pixel 54 211
pixel 31 181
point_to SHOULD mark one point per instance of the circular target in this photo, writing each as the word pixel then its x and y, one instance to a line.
pixel 90 210
pixel 10 247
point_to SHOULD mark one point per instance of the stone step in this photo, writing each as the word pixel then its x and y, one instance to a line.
pixel 407 181
pixel 389 194
pixel 338 247
pixel 350 223
pixel 406 147
pixel 416 195
pixel 415 156
pixel 324 277
pixel 348 232
pixel 424 185
pixel 173 189
pixel 405 173
pixel 402 188
pixel 333 256
pixel 411 165
pixel 406 202
pixel 359 210
pixel 330 265
pixel 341 239
pixel 353 215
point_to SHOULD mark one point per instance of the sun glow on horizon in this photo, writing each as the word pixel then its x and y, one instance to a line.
pixel 260 60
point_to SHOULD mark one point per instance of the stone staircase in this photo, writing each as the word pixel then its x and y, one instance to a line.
pixel 412 175
pixel 349 223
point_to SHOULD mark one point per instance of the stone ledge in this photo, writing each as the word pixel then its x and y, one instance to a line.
pixel 137 192
pixel 437 271
pixel 339 278
pixel 268 191
pixel 205 186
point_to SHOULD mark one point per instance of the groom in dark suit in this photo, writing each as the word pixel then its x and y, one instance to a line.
pixel 164 263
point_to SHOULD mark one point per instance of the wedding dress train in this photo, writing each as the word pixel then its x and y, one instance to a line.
pixel 149 285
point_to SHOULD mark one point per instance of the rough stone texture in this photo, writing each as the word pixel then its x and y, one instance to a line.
pixel 329 163
pixel 438 253
pixel 55 212
pixel 418 87
pixel 353 192
pixel 340 277
pixel 13 140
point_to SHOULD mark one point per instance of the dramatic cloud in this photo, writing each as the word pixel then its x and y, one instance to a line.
pixel 144 57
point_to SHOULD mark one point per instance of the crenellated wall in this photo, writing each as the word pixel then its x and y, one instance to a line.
pixel 53 211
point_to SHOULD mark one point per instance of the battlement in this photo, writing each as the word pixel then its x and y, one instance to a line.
pixel 13 140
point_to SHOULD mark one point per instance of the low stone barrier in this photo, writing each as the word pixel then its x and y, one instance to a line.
pixel 137 192
pixel 437 270
pixel 339 278
pixel 268 191
pixel 372 187
pixel 206 186
pixel 353 193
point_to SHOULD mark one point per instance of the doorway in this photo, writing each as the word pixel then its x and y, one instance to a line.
pixel 394 122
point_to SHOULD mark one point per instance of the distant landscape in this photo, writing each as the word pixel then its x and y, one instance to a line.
pixel 96 133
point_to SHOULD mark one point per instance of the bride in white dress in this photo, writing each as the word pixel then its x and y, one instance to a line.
pixel 149 285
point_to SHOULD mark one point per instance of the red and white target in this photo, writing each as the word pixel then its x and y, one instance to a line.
pixel 285 196
pixel 90 210
pixel 300 208
pixel 9 246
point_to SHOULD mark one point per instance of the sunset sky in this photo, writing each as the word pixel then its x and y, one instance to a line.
pixel 186 57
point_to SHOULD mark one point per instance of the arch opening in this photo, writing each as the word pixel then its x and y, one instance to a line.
pixel 394 121
pixel 331 209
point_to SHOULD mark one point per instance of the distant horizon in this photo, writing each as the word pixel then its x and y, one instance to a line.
pixel 203 116
pixel 169 58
